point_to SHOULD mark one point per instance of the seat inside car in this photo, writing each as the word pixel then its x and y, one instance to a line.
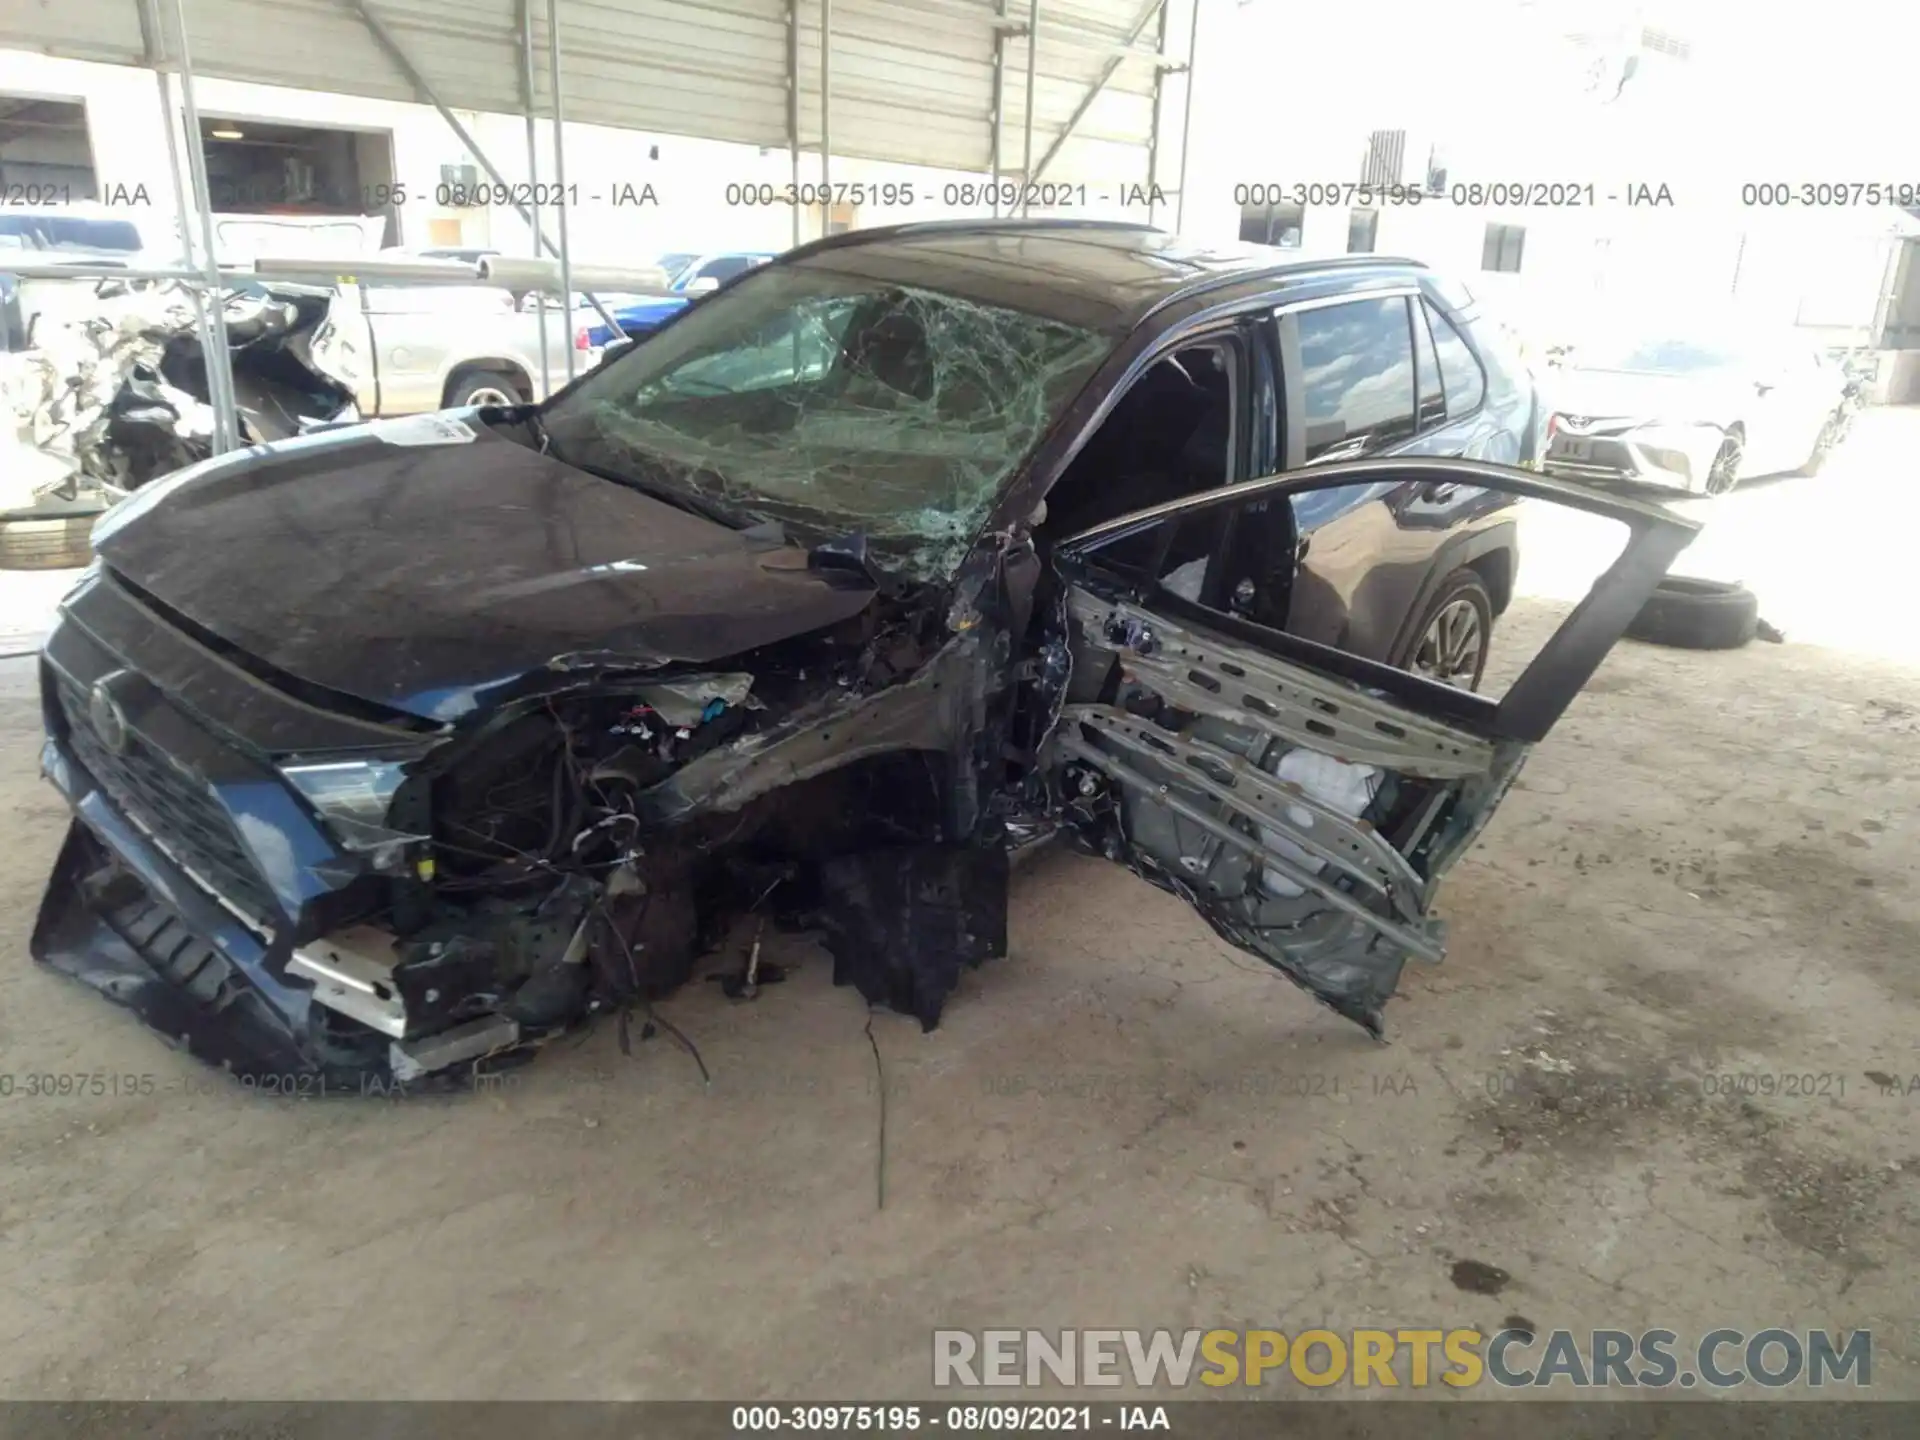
pixel 1168 436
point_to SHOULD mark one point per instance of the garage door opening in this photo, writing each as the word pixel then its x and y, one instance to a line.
pixel 45 155
pixel 258 167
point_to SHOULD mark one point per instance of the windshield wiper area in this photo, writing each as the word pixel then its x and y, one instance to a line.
pixel 674 495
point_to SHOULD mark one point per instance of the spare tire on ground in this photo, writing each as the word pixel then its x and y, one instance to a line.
pixel 36 540
pixel 1697 615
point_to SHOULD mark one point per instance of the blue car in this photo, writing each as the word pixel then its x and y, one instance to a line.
pixel 695 275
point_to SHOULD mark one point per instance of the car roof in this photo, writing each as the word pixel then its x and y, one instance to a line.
pixel 1099 274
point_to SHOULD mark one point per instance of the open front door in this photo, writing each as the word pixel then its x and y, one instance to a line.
pixel 1302 793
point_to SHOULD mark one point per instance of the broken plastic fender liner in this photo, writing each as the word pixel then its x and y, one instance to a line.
pixel 901 922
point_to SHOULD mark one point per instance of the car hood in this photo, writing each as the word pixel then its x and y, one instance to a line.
pixel 409 567
pixel 1641 395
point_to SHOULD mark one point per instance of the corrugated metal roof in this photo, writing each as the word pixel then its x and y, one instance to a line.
pixel 912 79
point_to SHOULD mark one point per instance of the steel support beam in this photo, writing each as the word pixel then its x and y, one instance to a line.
pixel 1158 114
pixel 383 37
pixel 226 411
pixel 560 184
pixel 1107 72
pixel 826 115
pixel 153 38
pixel 189 275
pixel 1186 117
pixel 997 120
pixel 527 103
pixel 793 108
pixel 1033 71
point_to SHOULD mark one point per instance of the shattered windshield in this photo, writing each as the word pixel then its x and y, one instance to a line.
pixel 837 405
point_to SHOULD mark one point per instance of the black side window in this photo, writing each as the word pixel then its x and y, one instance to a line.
pixel 1433 402
pixel 726 268
pixel 1235 559
pixel 1356 372
pixel 1460 373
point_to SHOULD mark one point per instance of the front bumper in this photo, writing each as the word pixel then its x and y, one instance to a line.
pixel 191 873
pixel 1673 457
pixel 121 919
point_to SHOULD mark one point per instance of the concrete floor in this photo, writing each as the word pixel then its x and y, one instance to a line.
pixel 1705 872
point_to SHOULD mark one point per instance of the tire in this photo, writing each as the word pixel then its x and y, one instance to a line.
pixel 1823 444
pixel 479 386
pixel 1697 615
pixel 1462 593
pixel 1724 473
pixel 62 543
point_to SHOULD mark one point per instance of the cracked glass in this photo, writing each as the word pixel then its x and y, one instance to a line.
pixel 837 405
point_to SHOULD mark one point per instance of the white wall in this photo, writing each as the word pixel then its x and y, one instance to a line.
pixel 1502 86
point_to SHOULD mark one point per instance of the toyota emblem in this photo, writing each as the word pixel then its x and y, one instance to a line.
pixel 108 721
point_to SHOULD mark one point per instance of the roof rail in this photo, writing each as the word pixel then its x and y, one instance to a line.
pixel 1303 269
pixel 912 228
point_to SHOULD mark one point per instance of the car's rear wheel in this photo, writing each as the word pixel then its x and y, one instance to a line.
pixel 485 387
pixel 30 541
pixel 1450 642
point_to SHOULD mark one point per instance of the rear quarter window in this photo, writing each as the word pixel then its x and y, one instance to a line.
pixel 1356 371
pixel 1508 374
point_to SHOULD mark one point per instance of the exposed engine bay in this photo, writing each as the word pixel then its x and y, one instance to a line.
pixel 576 853
pixel 544 889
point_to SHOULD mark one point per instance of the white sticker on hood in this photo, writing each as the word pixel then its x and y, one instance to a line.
pixel 425 430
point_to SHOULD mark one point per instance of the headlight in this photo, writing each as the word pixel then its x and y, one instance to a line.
pixel 353 798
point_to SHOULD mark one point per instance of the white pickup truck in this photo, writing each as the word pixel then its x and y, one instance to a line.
pixel 403 350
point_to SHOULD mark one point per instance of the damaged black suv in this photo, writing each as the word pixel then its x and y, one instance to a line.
pixel 399 749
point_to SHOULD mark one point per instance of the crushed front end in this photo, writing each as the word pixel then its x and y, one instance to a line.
pixel 306 888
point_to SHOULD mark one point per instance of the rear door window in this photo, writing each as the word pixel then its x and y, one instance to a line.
pixel 1433 400
pixel 1356 377
pixel 1460 375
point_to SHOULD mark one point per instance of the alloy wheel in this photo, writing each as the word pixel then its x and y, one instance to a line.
pixel 1450 650
pixel 1725 473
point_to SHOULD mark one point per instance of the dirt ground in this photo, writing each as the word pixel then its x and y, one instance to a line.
pixel 1652 1083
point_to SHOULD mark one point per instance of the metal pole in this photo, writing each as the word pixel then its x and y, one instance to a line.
pixel 533 185
pixel 202 322
pixel 154 34
pixel 1186 118
pixel 384 38
pixel 793 107
pixel 1107 73
pixel 226 419
pixel 999 117
pixel 192 276
pixel 826 116
pixel 1159 107
pixel 1033 66
pixel 560 177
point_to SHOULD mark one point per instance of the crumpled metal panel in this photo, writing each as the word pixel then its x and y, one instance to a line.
pixel 92 399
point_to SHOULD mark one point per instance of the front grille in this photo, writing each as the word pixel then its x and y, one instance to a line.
pixel 177 810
